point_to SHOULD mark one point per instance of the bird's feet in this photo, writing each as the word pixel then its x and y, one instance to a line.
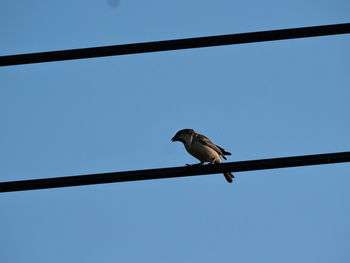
pixel 212 162
pixel 195 164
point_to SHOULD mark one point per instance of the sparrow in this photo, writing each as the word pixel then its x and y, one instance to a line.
pixel 202 148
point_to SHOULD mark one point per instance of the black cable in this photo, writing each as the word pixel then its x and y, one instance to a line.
pixel 175 172
pixel 176 44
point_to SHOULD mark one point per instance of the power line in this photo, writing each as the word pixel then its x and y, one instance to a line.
pixel 162 173
pixel 166 45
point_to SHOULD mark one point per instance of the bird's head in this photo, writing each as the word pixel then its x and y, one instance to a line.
pixel 183 135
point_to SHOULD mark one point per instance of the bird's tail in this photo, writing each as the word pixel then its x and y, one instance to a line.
pixel 229 176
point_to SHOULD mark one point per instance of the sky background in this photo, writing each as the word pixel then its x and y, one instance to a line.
pixel 260 100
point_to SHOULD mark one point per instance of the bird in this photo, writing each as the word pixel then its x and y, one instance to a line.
pixel 202 148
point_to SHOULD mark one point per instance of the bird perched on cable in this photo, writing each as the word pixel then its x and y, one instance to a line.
pixel 202 148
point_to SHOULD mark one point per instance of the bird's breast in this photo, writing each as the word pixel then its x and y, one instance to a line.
pixel 203 152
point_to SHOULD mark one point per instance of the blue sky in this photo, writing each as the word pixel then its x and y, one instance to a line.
pixel 257 101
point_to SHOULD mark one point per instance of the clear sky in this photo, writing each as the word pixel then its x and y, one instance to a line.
pixel 259 100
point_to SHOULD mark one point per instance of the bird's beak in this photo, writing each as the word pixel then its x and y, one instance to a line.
pixel 174 139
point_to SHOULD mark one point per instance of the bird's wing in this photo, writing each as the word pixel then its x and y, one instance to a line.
pixel 204 140
pixel 223 151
